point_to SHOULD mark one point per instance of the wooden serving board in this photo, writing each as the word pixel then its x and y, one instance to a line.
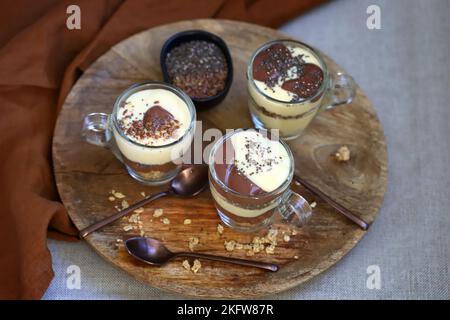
pixel 85 174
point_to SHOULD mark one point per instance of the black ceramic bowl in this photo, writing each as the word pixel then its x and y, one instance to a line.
pixel 191 35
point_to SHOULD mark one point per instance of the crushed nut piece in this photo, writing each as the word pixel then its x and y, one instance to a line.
pixel 270 249
pixel 139 210
pixel 220 228
pixel 286 238
pixel 186 265
pixel 119 240
pixel 193 241
pixel 166 221
pixel 134 218
pixel 125 204
pixel 158 213
pixel 343 154
pixel 294 232
pixel 313 204
pixel 196 266
pixel 128 227
pixel 187 221
pixel 230 245
pixel 111 198
pixel 143 194
pixel 272 236
pixel 296 257
pixel 258 244
pixel 118 195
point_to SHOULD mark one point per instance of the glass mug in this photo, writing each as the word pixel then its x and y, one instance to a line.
pixel 292 118
pixel 249 213
pixel 150 165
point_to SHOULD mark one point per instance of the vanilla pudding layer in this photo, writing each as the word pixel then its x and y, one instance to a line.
pixel 283 114
pixel 154 150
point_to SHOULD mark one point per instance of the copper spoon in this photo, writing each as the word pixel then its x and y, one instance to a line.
pixel 346 212
pixel 188 183
pixel 152 251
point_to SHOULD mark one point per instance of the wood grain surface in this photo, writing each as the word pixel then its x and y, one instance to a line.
pixel 85 174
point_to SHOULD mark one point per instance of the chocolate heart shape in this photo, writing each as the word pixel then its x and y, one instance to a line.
pixel 307 84
pixel 271 63
pixel 156 118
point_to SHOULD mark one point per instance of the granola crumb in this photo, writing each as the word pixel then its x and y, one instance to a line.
pixel 286 238
pixel 143 194
pixel 134 218
pixel 139 210
pixel 128 227
pixel 193 242
pixel 186 265
pixel 125 204
pixel 343 154
pixel 166 221
pixel 219 228
pixel 296 257
pixel 270 249
pixel 158 213
pixel 187 221
pixel 258 244
pixel 119 240
pixel 294 232
pixel 118 195
pixel 230 245
pixel 313 204
pixel 111 198
pixel 196 266
pixel 142 233
pixel 249 253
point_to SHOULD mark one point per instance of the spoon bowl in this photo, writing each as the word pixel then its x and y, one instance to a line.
pixel 148 250
pixel 190 181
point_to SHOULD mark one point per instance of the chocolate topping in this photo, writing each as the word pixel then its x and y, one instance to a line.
pixel 156 117
pixel 276 65
pixel 157 123
pixel 307 84
pixel 229 174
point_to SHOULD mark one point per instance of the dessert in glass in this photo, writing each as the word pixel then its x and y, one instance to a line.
pixel 289 83
pixel 250 173
pixel 150 129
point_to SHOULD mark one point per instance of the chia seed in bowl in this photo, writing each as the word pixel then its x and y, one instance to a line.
pixel 197 67
pixel 199 63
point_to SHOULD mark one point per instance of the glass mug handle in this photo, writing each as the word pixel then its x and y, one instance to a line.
pixel 294 209
pixel 342 90
pixel 97 131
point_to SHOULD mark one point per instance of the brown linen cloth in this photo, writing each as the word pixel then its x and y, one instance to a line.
pixel 40 59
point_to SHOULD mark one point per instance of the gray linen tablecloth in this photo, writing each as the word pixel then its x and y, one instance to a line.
pixel 404 69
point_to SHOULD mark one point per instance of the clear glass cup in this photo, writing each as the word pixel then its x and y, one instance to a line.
pixel 150 165
pixel 292 118
pixel 248 213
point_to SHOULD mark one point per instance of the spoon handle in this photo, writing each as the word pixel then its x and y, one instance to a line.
pixel 346 212
pixel 100 224
pixel 249 263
